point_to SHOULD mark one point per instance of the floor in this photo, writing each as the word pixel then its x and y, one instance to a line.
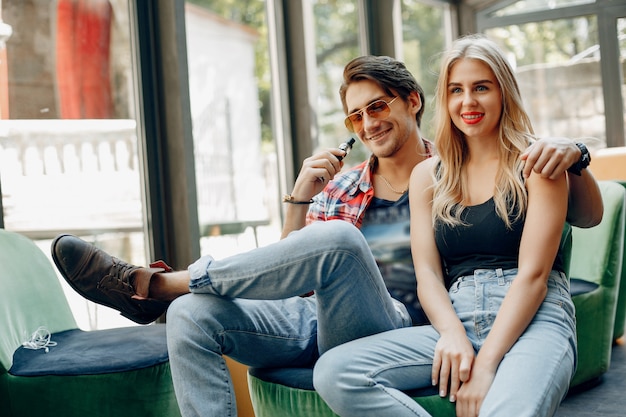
pixel 605 399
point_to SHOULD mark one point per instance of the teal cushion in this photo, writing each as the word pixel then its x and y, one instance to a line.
pixel 580 286
pixel 78 352
pixel 302 378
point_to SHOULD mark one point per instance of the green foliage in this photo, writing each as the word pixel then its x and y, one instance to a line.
pixel 423 42
pixel 551 42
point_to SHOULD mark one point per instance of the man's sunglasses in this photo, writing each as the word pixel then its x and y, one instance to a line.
pixel 378 110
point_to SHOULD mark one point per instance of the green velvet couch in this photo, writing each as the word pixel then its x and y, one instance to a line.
pixel 620 312
pixel 104 373
pixel 595 276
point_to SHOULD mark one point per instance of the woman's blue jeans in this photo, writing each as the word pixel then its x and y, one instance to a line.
pixel 366 377
pixel 248 308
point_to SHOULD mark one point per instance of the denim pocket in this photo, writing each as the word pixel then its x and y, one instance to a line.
pixel 463 296
pixel 558 302
pixel 558 289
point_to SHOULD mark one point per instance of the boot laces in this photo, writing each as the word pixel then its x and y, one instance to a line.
pixel 119 276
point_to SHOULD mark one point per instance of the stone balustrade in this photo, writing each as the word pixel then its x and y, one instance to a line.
pixel 78 176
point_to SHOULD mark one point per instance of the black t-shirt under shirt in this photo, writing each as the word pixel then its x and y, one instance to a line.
pixel 386 229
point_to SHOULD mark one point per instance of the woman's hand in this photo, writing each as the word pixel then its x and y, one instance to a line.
pixel 452 364
pixel 472 393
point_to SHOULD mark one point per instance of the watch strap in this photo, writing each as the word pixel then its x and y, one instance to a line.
pixel 583 162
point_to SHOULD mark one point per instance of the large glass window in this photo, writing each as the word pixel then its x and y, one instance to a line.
pixel 336 25
pixel 558 68
pixel 68 131
pixel 234 150
pixel 423 41
pixel 621 35
pixel 337 42
pixel 529 6
pixel 569 56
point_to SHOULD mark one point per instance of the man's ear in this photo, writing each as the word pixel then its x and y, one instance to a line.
pixel 415 101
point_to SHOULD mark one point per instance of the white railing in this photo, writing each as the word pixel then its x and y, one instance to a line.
pixel 82 177
pixel 76 176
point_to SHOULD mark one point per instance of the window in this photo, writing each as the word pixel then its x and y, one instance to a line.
pixel 68 131
pixel 621 36
pixel 558 70
pixel 336 25
pixel 529 6
pixel 234 151
pixel 423 42
pixel 567 55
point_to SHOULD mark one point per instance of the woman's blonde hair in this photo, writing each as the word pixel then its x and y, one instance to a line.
pixel 515 134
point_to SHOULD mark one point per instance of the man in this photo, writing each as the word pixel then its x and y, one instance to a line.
pixel 248 306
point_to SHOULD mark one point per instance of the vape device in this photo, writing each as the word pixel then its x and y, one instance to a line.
pixel 346 147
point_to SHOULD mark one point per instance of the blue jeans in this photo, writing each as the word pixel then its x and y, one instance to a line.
pixel 366 377
pixel 248 308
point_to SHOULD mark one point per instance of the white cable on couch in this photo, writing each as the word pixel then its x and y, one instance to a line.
pixel 40 339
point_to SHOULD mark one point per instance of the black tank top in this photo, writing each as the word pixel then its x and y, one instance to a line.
pixel 485 243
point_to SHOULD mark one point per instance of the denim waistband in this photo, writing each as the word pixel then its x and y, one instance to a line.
pixel 482 275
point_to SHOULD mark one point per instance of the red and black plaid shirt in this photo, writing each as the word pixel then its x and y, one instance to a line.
pixel 348 195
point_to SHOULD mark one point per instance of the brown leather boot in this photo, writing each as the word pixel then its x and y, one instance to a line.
pixel 106 280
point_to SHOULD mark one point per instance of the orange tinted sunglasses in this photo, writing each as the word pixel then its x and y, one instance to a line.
pixel 379 109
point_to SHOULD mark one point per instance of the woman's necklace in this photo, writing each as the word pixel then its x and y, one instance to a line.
pixel 391 186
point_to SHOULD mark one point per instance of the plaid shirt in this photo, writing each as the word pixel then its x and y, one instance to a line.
pixel 347 196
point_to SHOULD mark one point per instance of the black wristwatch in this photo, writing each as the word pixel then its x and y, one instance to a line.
pixel 583 162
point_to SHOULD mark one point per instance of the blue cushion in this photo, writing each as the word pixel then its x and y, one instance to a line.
pixel 302 378
pixel 580 286
pixel 79 352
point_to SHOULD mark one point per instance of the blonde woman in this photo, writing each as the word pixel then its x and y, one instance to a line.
pixel 485 242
